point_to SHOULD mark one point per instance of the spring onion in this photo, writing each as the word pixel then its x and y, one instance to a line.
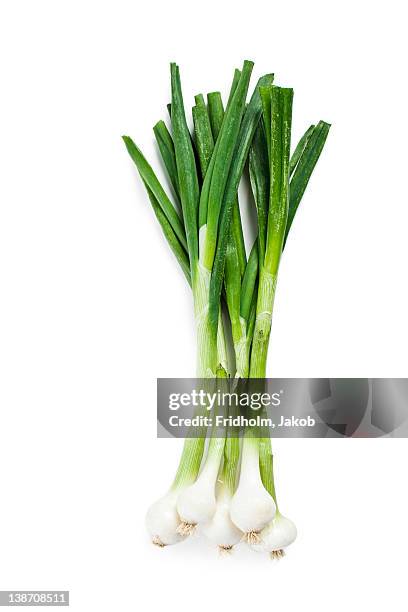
pixel 252 507
pixel 228 492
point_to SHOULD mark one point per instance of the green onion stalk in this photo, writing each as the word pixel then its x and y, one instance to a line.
pixel 288 181
pixel 279 129
pixel 278 121
pixel 275 219
pixel 257 482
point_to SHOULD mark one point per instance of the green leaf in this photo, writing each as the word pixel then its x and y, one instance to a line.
pixel 238 236
pixel 265 92
pixel 234 85
pixel 299 149
pixel 249 281
pixel 304 169
pixel 280 131
pixel 150 179
pixel 252 314
pixel 216 112
pixel 173 241
pixel 233 285
pixel 259 176
pixel 166 148
pixel 223 155
pixel 203 136
pixel 186 167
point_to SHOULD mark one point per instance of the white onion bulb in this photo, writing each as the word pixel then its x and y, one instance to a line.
pixel 220 529
pixel 278 534
pixel 252 508
pixel 163 521
pixel 197 504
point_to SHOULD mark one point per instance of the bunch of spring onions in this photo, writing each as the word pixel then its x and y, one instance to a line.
pixel 225 488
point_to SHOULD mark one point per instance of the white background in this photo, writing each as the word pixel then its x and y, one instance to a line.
pixel 93 307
